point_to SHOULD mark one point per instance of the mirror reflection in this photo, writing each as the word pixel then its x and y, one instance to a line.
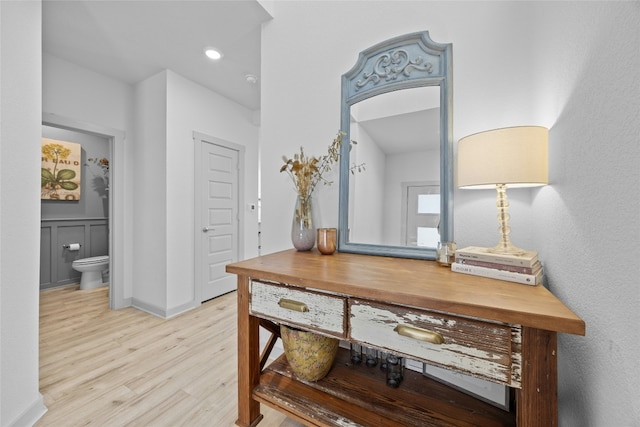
pixel 397 200
pixel 397 104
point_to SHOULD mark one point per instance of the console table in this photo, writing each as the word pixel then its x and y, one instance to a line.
pixel 496 330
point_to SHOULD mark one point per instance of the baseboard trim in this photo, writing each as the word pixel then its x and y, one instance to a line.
pixel 32 414
pixel 60 283
pixel 172 312
pixel 124 303
pixel 148 308
pixel 160 312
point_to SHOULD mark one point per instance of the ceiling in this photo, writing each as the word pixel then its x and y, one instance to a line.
pixel 406 133
pixel 133 40
pixel 402 121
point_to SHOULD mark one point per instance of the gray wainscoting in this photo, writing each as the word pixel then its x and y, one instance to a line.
pixel 55 261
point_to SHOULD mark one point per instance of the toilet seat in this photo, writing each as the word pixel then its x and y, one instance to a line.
pixel 92 260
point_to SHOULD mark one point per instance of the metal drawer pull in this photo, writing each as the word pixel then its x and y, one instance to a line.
pixel 293 305
pixel 419 334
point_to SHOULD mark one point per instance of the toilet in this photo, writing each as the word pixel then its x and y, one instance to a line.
pixel 91 269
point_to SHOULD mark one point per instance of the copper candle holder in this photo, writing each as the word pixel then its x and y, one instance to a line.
pixel 327 240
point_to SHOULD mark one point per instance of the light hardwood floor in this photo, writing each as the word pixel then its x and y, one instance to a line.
pixel 100 367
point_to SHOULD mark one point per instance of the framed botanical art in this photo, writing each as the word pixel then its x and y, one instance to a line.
pixel 61 170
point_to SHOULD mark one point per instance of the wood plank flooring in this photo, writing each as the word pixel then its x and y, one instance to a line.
pixel 100 367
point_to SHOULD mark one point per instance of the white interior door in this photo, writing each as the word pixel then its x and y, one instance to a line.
pixel 219 231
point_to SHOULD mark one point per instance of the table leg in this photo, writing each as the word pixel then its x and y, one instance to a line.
pixel 537 401
pixel 248 358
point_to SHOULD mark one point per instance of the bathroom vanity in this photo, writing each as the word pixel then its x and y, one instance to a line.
pixel 491 329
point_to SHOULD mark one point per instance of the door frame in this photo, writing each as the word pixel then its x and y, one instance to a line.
pixel 199 140
pixel 116 222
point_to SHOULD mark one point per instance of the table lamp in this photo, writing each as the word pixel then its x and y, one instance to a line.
pixel 500 158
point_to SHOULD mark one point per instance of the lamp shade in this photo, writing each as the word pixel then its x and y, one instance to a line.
pixel 514 156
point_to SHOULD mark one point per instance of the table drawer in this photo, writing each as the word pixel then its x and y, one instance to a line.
pixel 294 306
pixel 483 349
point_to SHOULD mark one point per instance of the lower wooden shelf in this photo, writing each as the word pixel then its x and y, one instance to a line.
pixel 357 395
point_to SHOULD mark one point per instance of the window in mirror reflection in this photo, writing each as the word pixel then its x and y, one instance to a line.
pixel 422 214
pixel 428 203
pixel 427 237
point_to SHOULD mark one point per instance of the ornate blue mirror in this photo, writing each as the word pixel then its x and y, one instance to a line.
pixel 397 106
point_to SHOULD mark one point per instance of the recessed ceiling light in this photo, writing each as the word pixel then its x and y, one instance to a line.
pixel 251 78
pixel 213 53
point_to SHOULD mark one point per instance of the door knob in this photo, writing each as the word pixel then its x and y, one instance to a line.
pixel 207 228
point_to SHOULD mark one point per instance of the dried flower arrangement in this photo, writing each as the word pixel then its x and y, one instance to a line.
pixel 103 163
pixel 306 172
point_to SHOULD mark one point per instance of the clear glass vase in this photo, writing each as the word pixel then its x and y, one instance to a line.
pixel 303 226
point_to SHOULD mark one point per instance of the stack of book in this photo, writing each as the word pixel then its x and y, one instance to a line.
pixel 523 268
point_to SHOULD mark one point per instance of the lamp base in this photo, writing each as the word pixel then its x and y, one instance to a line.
pixel 507 249
pixel 504 247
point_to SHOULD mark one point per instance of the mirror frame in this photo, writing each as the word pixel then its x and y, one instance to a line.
pixel 408 61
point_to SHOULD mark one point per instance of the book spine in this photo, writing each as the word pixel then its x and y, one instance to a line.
pixel 474 270
pixel 506 267
pixel 496 259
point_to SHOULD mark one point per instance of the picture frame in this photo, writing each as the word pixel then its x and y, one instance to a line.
pixel 61 172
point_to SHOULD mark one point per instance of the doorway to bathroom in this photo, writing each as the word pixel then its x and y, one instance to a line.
pixel 74 207
pixel 88 226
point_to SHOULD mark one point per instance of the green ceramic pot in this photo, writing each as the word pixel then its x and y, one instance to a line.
pixel 310 355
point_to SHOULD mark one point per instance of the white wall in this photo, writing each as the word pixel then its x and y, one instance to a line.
pixel 368 210
pixel 169 108
pixel 589 217
pixel 334 34
pixel 193 108
pixel 570 66
pixel 150 200
pixel 20 130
